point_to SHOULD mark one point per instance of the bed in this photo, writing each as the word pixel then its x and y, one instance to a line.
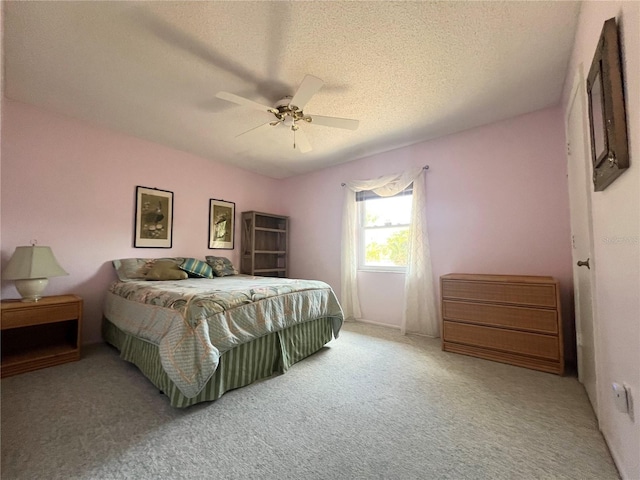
pixel 196 338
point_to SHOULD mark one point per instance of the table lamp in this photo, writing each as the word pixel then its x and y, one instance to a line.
pixel 31 268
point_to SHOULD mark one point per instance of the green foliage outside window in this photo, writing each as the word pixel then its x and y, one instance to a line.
pixel 395 249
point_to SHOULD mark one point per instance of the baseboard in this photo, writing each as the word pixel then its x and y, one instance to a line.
pixel 369 322
pixel 395 327
pixel 614 456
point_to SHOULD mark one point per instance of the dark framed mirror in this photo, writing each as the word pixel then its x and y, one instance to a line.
pixel 607 117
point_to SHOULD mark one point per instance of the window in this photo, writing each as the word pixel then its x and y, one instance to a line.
pixel 384 230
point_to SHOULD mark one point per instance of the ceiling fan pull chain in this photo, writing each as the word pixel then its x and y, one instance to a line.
pixel 294 139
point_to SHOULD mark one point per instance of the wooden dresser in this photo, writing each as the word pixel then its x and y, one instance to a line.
pixel 506 318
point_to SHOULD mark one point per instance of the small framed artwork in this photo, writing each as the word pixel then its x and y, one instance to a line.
pixel 154 218
pixel 607 118
pixel 222 216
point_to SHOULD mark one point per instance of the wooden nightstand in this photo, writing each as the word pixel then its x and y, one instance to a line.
pixel 40 334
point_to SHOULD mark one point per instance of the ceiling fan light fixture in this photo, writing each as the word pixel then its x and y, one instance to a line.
pixel 283 102
pixel 287 111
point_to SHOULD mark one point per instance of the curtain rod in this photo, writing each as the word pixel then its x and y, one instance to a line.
pixel 426 167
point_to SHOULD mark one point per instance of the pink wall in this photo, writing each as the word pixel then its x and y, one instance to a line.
pixel 497 202
pixel 616 215
pixel 72 186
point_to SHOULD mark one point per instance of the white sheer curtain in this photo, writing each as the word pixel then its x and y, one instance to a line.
pixel 419 312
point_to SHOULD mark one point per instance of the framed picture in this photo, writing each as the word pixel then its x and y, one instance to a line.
pixel 607 118
pixel 154 218
pixel 222 217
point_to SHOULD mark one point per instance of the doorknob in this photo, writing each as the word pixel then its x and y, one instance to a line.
pixel 584 264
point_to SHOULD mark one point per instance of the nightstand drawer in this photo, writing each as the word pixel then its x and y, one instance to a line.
pixel 38 315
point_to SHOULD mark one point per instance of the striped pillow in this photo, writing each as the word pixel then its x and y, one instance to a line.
pixel 197 268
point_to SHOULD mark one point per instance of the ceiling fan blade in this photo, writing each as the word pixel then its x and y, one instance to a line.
pixel 261 127
pixel 233 98
pixel 178 39
pixel 336 122
pixel 307 89
pixel 300 141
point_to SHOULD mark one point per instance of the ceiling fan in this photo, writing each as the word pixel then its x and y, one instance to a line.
pixel 288 111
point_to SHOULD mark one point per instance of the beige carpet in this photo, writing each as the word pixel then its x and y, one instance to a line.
pixel 372 404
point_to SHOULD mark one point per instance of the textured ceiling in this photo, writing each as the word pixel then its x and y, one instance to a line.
pixel 409 71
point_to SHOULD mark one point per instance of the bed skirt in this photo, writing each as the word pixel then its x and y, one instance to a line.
pixel 240 366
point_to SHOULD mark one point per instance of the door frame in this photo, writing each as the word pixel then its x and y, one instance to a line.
pixel 578 93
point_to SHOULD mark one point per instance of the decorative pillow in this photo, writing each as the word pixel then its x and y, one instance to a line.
pixel 132 268
pixel 129 269
pixel 197 268
pixel 221 266
pixel 166 270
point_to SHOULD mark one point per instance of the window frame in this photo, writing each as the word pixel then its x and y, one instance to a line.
pixel 361 199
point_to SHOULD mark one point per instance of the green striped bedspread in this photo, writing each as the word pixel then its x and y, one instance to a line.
pixel 194 321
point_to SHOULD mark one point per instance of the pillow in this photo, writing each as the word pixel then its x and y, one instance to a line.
pixel 132 268
pixel 197 268
pixel 129 269
pixel 166 270
pixel 221 266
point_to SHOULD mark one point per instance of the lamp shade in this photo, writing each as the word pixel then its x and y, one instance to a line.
pixel 32 262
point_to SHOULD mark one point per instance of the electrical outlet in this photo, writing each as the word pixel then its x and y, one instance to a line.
pixel 620 398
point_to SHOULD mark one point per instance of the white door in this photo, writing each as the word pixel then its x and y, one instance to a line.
pixel 580 184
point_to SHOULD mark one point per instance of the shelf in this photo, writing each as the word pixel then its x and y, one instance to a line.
pixel 274 230
pixel 266 270
pixel 36 360
pixel 44 352
pixel 271 252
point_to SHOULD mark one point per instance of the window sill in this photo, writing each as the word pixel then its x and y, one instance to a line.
pixel 401 270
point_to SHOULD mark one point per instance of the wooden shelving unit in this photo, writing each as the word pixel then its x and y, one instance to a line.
pixel 265 244
pixel 40 334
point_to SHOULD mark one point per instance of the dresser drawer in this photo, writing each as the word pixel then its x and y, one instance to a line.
pixel 531 319
pixel 507 293
pixel 512 341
